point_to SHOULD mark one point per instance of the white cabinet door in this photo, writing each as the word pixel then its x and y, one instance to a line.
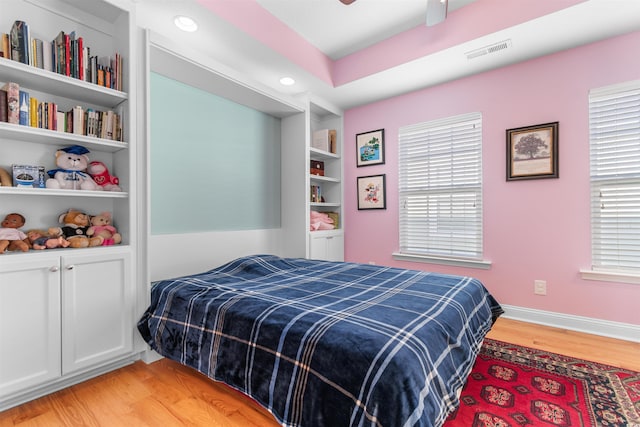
pixel 329 247
pixel 97 308
pixel 29 322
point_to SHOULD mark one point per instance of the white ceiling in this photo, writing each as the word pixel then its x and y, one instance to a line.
pixel 339 30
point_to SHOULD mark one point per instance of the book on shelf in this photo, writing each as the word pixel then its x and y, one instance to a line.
pixel 38 58
pixel 47 56
pixel 80 58
pixel 5 49
pixel 316 194
pixel 34 115
pixel 61 121
pixel 3 106
pixel 25 103
pixel 325 139
pixel 13 101
pixel 19 41
pixel 78 120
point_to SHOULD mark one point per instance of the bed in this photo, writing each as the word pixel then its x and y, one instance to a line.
pixel 321 343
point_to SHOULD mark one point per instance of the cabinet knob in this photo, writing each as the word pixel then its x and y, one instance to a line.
pixel 54 269
pixel 70 267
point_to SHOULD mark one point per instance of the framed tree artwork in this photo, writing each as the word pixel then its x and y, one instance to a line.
pixel 372 192
pixel 532 152
pixel 370 148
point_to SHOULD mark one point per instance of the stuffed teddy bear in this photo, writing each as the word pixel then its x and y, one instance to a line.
pixel 101 226
pixel 71 174
pixel 100 174
pixel 74 229
pixel 40 239
pixel 10 237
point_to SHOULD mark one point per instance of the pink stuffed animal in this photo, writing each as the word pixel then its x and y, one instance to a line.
pixel 101 227
pixel 100 174
pixel 320 221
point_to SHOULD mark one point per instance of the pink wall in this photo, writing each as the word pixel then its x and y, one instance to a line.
pixel 537 229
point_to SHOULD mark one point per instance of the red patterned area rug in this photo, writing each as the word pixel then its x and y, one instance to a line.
pixel 513 386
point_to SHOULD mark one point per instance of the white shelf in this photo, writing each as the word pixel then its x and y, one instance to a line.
pixel 321 154
pixel 34 78
pixel 324 205
pixel 55 138
pixel 66 193
pixel 320 178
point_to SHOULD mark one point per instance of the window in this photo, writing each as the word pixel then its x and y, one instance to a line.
pixel 440 190
pixel 614 137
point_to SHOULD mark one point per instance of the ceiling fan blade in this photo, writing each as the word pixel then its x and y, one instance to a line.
pixel 436 11
pixel 347 2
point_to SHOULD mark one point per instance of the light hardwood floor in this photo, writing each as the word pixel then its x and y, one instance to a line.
pixel 165 394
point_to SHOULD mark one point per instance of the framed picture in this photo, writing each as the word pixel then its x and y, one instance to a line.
pixel 532 152
pixel 370 148
pixel 371 192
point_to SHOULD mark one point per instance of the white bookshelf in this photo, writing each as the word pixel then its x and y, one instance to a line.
pixel 68 314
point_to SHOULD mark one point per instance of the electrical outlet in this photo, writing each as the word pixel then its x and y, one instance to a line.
pixel 372 263
pixel 540 287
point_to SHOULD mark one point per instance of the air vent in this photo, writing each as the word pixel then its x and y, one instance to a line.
pixel 496 47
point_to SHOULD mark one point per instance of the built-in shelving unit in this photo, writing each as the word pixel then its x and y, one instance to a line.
pixel 297 180
pixel 68 314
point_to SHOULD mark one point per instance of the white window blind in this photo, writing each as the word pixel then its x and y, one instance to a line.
pixel 440 190
pixel 614 137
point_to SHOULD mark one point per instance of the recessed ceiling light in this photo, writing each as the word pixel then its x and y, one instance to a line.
pixel 287 81
pixel 185 23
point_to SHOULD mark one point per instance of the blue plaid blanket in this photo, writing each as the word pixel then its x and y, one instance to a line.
pixel 322 343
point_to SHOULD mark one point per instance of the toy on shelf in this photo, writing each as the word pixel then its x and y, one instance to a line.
pixel 5 178
pixel 40 240
pixel 71 174
pixel 100 174
pixel 11 238
pixel 74 229
pixel 320 221
pixel 101 227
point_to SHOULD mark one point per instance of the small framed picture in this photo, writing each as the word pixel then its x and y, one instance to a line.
pixel 532 152
pixel 370 148
pixel 372 192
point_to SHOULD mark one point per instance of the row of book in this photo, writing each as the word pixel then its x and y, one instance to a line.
pixel 18 107
pixel 316 194
pixel 66 54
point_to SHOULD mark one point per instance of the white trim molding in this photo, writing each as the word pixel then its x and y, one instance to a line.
pixel 607 328
pixel 429 259
pixel 608 276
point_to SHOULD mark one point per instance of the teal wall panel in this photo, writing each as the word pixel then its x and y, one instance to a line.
pixel 215 164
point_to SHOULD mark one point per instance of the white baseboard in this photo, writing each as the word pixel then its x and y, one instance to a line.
pixel 623 331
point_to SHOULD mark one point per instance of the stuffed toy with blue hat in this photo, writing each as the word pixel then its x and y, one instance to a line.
pixel 71 174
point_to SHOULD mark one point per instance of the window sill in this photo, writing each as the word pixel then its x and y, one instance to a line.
pixel 609 276
pixel 458 262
